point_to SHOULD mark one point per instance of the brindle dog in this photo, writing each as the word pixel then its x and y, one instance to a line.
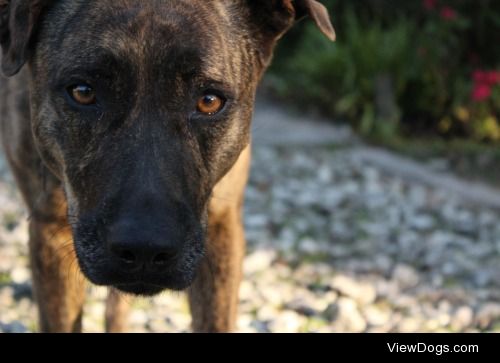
pixel 128 133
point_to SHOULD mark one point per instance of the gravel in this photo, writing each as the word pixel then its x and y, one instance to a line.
pixel 336 244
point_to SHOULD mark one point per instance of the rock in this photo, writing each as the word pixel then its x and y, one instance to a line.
pixel 332 198
pixel 444 319
pixel 362 292
pixel 23 291
pixel 267 313
pixel 325 174
pixel 404 301
pixel 387 289
pixel 382 263
pixel 20 275
pixel 157 325
pixel 483 277
pixel 409 325
pixel 286 240
pixel 377 316
pixel 331 312
pixel 247 290
pixel 138 317
pixel 256 221
pixel 13 328
pixel 259 260
pixel 349 319
pixel 375 229
pixel 6 296
pixel 422 222
pixel 339 251
pixel 417 195
pixel 180 320
pixel 287 322
pixel 7 258
pixel 487 315
pixel 462 318
pixel 246 320
pixel 406 276
pixel 341 231
pixel 302 307
pixel 310 246
pixel 272 296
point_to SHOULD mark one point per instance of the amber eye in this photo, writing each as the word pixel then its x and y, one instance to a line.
pixel 210 104
pixel 82 94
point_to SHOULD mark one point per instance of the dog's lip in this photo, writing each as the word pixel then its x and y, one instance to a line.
pixel 140 288
pixel 145 287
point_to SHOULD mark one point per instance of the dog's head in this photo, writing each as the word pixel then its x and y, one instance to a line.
pixel 140 108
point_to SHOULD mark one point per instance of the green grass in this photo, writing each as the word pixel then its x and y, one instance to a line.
pixel 5 278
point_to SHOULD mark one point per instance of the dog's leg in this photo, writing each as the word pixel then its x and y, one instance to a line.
pixel 117 308
pixel 58 284
pixel 215 293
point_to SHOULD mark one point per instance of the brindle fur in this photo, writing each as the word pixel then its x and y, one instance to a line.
pixel 140 165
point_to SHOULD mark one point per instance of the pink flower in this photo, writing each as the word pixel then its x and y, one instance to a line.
pixel 448 13
pixel 492 78
pixel 481 92
pixel 430 4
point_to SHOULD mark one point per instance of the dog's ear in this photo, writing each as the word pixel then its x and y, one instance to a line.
pixel 18 24
pixel 274 17
pixel 318 13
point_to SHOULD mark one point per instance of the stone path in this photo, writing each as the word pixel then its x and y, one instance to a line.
pixel 342 238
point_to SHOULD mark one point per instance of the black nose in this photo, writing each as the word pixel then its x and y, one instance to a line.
pixel 142 255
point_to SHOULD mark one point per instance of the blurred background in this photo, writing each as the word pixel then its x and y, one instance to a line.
pixel 401 71
pixel 374 200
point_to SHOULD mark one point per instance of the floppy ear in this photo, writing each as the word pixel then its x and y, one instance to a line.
pixel 318 13
pixel 18 23
pixel 274 17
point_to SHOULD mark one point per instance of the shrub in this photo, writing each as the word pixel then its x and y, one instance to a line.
pixel 413 67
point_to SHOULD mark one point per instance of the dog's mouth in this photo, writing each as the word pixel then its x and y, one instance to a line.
pixel 145 287
pixel 142 283
pixel 140 289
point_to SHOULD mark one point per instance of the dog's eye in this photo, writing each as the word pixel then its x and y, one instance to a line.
pixel 210 104
pixel 82 94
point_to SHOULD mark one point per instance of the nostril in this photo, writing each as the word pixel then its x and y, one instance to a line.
pixel 127 256
pixel 161 259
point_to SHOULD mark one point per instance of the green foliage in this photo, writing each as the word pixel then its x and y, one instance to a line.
pixel 399 68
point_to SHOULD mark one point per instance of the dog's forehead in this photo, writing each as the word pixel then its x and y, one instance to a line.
pixel 137 30
pixel 135 25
